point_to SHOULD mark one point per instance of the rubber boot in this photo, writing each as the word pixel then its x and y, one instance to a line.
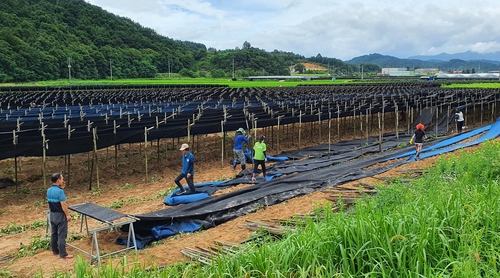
pixel 243 167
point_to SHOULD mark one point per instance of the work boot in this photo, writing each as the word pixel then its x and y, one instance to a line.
pixel 243 167
pixel 181 191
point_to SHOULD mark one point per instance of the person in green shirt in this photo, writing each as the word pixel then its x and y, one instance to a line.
pixel 259 157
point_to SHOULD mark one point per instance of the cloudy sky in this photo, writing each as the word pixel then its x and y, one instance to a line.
pixel 334 28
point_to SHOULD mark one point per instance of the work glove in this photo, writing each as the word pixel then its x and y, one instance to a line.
pixel 265 159
pixel 411 141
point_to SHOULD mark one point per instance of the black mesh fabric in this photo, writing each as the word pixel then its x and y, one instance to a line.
pixel 97 212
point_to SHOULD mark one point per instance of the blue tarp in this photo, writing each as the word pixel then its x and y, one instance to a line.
pixel 318 172
pixel 446 142
pixel 173 200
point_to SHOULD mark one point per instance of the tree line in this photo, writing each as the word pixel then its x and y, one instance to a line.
pixel 56 39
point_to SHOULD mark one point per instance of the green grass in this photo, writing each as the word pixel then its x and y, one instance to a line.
pixel 183 81
pixel 490 85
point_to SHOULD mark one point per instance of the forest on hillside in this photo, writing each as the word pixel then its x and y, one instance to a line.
pixel 56 39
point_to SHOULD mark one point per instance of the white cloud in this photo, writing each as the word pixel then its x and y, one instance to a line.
pixel 340 29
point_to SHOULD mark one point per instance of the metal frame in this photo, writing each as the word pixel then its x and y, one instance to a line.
pixel 94 248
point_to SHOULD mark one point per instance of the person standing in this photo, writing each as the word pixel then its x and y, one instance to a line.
pixel 239 154
pixel 259 157
pixel 187 170
pixel 59 216
pixel 418 137
pixel 459 116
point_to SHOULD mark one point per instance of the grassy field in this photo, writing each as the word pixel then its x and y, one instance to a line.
pixel 191 81
pixel 234 84
pixel 491 85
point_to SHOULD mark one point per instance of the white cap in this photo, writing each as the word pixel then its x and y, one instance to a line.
pixel 184 146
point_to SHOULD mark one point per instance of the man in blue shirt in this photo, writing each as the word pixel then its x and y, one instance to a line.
pixel 239 154
pixel 59 216
pixel 187 170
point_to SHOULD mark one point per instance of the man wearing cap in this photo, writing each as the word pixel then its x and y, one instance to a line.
pixel 187 170
pixel 59 216
pixel 239 154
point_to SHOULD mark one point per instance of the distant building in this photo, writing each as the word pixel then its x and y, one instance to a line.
pixel 396 72
pixel 426 71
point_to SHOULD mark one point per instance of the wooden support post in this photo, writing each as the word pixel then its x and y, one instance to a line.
pixel 222 141
pixel 397 120
pixel 379 133
pixel 354 123
pixel 44 156
pixel 14 142
pixel 116 159
pixel 338 122
pixel 367 133
pixel 329 133
pixel 189 131
pixel 158 153
pixel 300 127
pixel 481 112
pixel 95 156
pixel 319 124
pixel 448 121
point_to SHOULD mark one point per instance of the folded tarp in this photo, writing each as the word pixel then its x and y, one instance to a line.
pixel 276 158
pixel 167 230
pixel 204 189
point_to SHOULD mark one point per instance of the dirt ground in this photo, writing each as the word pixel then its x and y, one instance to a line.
pixel 311 66
pixel 128 190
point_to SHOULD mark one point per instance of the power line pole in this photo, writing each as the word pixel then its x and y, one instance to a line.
pixel 69 69
pixel 169 68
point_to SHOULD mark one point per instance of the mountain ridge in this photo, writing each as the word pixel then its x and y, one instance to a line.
pixel 493 57
pixel 387 61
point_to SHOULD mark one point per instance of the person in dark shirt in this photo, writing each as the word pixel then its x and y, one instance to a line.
pixel 239 154
pixel 59 216
pixel 418 137
pixel 187 170
pixel 459 117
